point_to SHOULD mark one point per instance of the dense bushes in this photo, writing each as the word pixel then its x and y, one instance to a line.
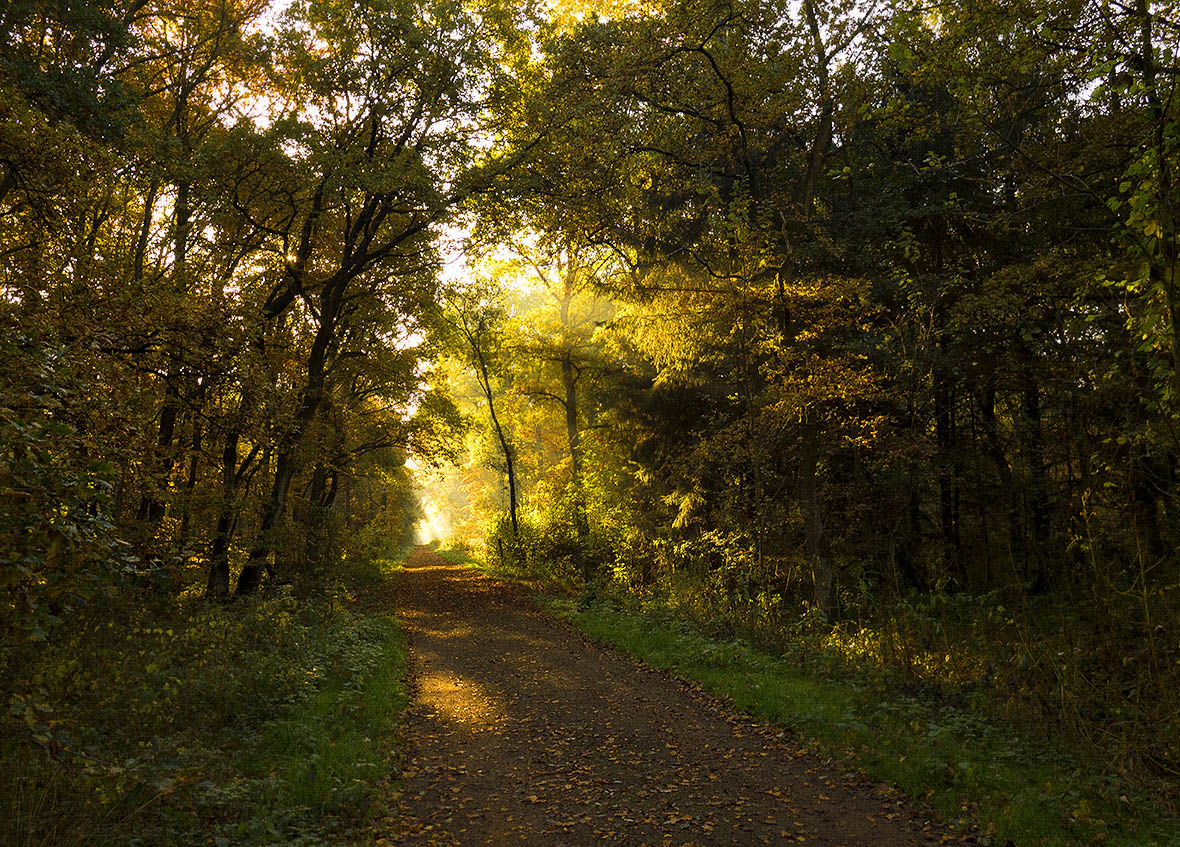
pixel 548 553
pixel 175 720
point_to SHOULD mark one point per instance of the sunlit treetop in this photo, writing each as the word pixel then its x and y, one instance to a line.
pixel 567 14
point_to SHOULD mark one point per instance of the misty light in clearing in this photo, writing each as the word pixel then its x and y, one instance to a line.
pixel 436 525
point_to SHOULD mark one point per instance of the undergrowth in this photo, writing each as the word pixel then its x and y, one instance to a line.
pixel 175 721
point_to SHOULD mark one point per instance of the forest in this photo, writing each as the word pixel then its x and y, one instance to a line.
pixel 844 327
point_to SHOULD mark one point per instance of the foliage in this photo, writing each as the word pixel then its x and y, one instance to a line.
pixel 219 281
pixel 887 343
pixel 843 322
pixel 59 550
pixel 262 722
pixel 539 551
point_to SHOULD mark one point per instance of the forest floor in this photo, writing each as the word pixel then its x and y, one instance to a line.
pixel 520 731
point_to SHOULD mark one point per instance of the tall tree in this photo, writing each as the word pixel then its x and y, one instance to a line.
pixel 385 108
pixel 477 322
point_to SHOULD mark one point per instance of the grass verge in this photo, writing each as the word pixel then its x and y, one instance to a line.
pixel 168 721
pixel 984 777
pixel 320 763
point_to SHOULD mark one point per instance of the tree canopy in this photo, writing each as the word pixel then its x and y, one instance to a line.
pixel 823 308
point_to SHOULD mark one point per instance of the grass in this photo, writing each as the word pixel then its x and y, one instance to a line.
pixel 551 580
pixel 989 778
pixel 173 721
pixel 322 760
pixel 982 776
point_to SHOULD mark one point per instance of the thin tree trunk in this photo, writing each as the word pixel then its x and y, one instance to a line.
pixel 824 129
pixel 1039 484
pixel 319 496
pixel 1008 486
pixel 822 573
pixel 1162 263
pixel 218 585
pixel 574 438
pixel 145 230
pixel 251 576
pixel 485 384
pixel 190 483
pixel 944 429
pixel 152 506
pixel 510 462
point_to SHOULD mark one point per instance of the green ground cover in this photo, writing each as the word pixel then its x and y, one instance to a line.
pixel 983 776
pixel 176 721
pixel 997 781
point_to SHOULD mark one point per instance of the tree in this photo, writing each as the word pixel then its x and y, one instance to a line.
pixel 386 108
pixel 476 320
pixel 558 338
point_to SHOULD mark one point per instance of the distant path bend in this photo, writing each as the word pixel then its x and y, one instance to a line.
pixel 520 732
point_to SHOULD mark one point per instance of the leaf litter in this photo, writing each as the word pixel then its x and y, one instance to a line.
pixel 521 732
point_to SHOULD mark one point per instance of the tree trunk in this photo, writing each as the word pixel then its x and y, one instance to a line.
pixel 1161 263
pixel 311 398
pixel 152 505
pixel 218 585
pixel 824 128
pixel 510 462
pixel 1039 484
pixel 321 494
pixel 1008 486
pixel 822 572
pixel 190 484
pixel 153 508
pixel 574 438
pixel 948 495
pixel 485 384
pixel 251 576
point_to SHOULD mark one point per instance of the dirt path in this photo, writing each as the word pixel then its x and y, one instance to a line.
pixel 522 733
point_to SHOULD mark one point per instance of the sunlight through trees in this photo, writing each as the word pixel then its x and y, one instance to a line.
pixel 820 316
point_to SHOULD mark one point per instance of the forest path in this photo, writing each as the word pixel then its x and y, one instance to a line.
pixel 521 732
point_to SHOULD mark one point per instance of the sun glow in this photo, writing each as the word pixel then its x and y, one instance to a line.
pixel 437 524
